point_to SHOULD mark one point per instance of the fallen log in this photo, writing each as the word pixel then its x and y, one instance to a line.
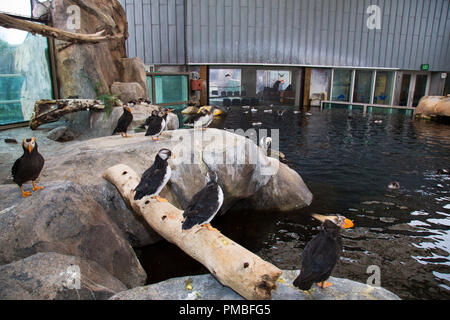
pixel 46 111
pixel 232 265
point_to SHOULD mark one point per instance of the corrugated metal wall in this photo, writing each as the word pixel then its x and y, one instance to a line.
pixel 303 32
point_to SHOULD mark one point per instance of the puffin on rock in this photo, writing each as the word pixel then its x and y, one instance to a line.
pixel 204 205
pixel 149 119
pixel 157 124
pixel 155 177
pixel 322 252
pixel 28 166
pixel 202 119
pixel 124 121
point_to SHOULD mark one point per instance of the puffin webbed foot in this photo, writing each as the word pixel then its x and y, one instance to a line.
pixel 159 199
pixel 209 227
pixel 25 194
pixel 156 139
pixel 35 187
pixel 324 284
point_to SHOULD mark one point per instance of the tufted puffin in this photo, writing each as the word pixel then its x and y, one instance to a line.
pixel 153 115
pixel 155 177
pixel 28 166
pixel 204 205
pixel 157 124
pixel 202 119
pixel 322 252
pixel 124 121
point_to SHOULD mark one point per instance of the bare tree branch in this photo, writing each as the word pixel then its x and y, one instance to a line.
pixel 7 21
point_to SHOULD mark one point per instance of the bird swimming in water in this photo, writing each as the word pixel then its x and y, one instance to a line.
pixel 204 204
pixel 322 253
pixel 124 121
pixel 157 124
pixel 442 171
pixel 28 166
pixel 280 113
pixel 202 119
pixel 155 177
pixel 253 110
pixel 394 185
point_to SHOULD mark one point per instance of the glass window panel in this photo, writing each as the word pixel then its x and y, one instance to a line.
pixel 171 89
pixel 342 81
pixel 273 79
pixel 363 86
pixel 224 82
pixel 383 87
pixel 150 88
pixel 404 90
pixel 419 91
pixel 24 75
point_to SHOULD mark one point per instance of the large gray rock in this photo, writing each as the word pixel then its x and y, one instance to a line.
pixel 64 218
pixel 206 287
pixel 128 91
pixel 53 276
pixel 241 174
pixel 133 70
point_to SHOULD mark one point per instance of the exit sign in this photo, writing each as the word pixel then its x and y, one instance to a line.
pixel 425 67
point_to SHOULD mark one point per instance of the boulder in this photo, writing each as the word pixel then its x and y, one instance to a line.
pixel 432 106
pixel 54 276
pixel 242 167
pixel 206 287
pixel 61 134
pixel 64 218
pixel 88 70
pixel 133 70
pixel 128 91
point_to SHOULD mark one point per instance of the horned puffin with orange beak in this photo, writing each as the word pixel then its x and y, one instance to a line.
pixel 322 253
pixel 29 166
pixel 124 121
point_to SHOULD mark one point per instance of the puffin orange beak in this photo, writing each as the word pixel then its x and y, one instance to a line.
pixel 173 155
pixel 29 148
pixel 348 224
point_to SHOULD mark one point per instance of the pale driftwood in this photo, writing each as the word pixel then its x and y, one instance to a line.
pixel 46 111
pixel 7 21
pixel 231 264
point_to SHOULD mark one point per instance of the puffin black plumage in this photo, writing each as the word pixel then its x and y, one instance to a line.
pixel 156 125
pixel 322 252
pixel 153 115
pixel 155 177
pixel 204 205
pixel 124 121
pixel 28 167
pixel 202 119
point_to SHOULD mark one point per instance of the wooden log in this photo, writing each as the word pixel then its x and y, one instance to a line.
pixel 46 111
pixel 231 264
pixel 7 21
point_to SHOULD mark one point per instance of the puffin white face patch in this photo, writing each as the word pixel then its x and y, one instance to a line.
pixel 164 154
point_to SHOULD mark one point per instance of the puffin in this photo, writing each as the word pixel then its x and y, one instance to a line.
pixel 204 205
pixel 152 116
pixel 157 124
pixel 265 143
pixel 124 121
pixel 202 119
pixel 28 166
pixel 155 177
pixel 322 252
pixel 394 185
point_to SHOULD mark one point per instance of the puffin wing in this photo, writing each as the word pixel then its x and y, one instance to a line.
pixel 151 180
pixel 154 126
pixel 203 205
pixel 16 167
pixel 192 119
pixel 124 121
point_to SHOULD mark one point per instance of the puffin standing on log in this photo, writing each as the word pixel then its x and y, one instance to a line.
pixel 157 124
pixel 204 205
pixel 155 177
pixel 322 252
pixel 28 166
pixel 124 121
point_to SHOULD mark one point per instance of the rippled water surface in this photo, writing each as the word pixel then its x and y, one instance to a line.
pixel 347 160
